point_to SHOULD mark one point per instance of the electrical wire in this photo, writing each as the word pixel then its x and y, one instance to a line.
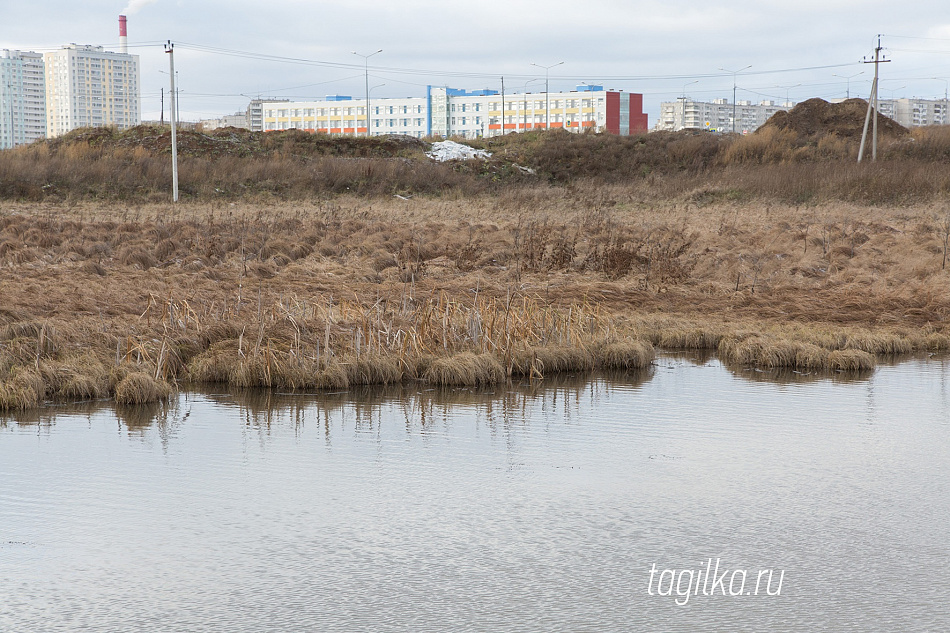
pixel 483 75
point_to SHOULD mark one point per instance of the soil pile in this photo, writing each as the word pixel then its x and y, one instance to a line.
pixel 237 142
pixel 816 118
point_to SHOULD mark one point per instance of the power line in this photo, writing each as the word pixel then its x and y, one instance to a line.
pixel 482 75
pixel 915 37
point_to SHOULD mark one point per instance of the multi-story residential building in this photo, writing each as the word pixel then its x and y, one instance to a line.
pixel 238 120
pixel 88 86
pixel 22 98
pixel 915 112
pixel 255 112
pixel 470 114
pixel 717 115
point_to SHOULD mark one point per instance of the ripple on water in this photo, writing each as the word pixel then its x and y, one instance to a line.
pixel 540 507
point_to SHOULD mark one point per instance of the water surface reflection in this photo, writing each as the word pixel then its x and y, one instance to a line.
pixel 536 507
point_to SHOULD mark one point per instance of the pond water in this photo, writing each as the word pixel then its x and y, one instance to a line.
pixel 527 508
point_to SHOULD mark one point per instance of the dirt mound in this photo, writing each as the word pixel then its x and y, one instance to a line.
pixel 816 118
pixel 240 143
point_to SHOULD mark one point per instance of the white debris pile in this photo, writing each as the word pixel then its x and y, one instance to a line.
pixel 450 150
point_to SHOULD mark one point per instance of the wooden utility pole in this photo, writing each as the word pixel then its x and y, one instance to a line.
pixel 872 105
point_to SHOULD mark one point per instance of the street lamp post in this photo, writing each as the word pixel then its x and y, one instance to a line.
pixel 175 98
pixel 547 102
pixel 366 79
pixel 848 78
pixel 734 73
pixel 893 90
pixel 788 89
pixel 684 100
pixel 524 115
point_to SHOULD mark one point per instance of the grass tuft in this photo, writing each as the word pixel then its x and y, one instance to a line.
pixel 627 355
pixel 138 387
pixel 23 389
pixel 467 369
pixel 850 360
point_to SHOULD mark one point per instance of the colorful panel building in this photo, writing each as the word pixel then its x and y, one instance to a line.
pixel 469 114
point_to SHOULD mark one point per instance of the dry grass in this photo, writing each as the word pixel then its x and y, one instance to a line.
pixel 543 280
pixel 230 166
pixel 627 355
pixel 850 360
pixel 466 368
pixel 139 387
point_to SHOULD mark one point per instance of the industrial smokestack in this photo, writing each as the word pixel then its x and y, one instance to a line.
pixel 123 35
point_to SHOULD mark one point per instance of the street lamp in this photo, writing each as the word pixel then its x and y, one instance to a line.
pixel 946 83
pixel 848 78
pixel 684 100
pixel 175 100
pixel 734 73
pixel 366 79
pixel 547 102
pixel 787 89
pixel 893 90
pixel 524 115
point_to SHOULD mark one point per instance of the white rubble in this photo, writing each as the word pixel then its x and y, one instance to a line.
pixel 450 150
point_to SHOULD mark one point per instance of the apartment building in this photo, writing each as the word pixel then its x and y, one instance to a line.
pixel 237 120
pixel 470 114
pixel 716 115
pixel 87 86
pixel 255 112
pixel 915 112
pixel 22 98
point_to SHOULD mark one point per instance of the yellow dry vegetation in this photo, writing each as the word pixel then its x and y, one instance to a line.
pixel 129 301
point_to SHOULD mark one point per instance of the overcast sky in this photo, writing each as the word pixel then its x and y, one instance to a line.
pixel 652 47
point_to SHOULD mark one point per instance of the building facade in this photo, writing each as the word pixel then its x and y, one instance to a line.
pixel 915 112
pixel 22 98
pixel 470 114
pixel 238 120
pixel 716 115
pixel 255 112
pixel 87 86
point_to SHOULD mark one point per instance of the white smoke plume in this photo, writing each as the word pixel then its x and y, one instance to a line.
pixel 135 5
